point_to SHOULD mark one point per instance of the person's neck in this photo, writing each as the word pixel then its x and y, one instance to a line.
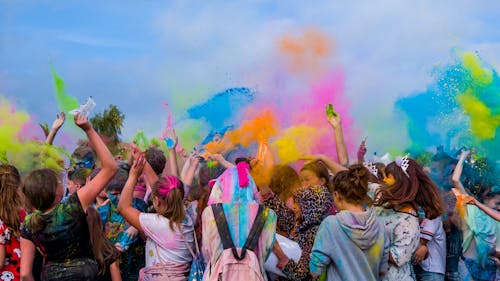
pixel 354 208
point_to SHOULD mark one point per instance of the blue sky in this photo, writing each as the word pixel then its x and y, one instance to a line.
pixel 136 54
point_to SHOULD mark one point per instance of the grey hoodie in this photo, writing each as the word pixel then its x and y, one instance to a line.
pixel 351 246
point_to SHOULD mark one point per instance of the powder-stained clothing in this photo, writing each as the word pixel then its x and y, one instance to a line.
pixel 404 234
pixel 164 245
pixel 315 204
pixel 132 260
pixel 479 239
pixel 286 216
pixel 64 239
pixel 351 247
pixel 240 218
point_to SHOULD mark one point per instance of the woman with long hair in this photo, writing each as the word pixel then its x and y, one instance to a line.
pixel 11 216
pixel 407 188
pixel 59 229
pixel 169 231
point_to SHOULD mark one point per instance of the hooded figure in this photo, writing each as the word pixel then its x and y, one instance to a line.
pixel 236 190
pixel 351 246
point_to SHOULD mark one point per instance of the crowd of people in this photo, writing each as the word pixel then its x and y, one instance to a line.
pixel 164 215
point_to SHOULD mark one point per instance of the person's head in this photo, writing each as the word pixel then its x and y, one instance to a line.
pixel 490 196
pixel 351 187
pixel 43 189
pixel 315 173
pixel 77 179
pixel 10 200
pixel 116 184
pixel 284 180
pixel 103 250
pixel 156 158
pixel 168 196
pixel 412 186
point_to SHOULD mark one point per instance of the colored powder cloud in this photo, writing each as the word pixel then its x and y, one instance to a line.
pixel 294 143
pixel 460 108
pixel 222 108
pixel 25 154
pixel 65 101
pixel 305 52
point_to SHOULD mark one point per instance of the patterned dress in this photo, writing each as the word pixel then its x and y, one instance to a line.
pixel 403 229
pixel 11 267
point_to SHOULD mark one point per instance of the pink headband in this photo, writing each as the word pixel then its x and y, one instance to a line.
pixel 169 183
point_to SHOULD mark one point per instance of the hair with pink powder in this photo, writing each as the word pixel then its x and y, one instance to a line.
pixel 167 184
pixel 243 169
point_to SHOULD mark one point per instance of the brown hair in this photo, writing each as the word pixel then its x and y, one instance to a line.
pixel 352 184
pixel 10 201
pixel 103 250
pixel 283 180
pixel 170 191
pixel 156 158
pixel 321 171
pixel 414 188
pixel 40 187
pixel 79 176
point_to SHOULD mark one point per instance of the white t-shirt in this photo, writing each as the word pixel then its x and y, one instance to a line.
pixel 163 245
pixel 432 231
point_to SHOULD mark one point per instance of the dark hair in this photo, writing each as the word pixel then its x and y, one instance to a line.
pixel 321 171
pixel 352 184
pixel 241 159
pixel 103 250
pixel 415 188
pixel 10 201
pixel 40 187
pixel 156 158
pixel 79 176
pixel 173 200
pixel 116 183
pixel 283 180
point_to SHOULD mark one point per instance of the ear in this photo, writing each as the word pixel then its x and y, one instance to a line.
pixel 323 181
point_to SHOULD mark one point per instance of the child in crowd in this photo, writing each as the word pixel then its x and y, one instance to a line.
pixel 59 229
pixel 11 216
pixel 430 256
pixel 407 189
pixel 480 234
pixel 169 231
pixel 351 245
pixel 105 254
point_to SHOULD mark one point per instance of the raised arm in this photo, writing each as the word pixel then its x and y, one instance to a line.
pixel 333 166
pixel 89 191
pixel 335 122
pixel 362 152
pixel 172 154
pixel 125 208
pixel 489 211
pixel 188 178
pixel 222 161
pixel 457 173
pixel 56 125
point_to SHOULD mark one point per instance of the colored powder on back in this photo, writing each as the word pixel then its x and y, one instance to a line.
pixel 222 108
pixel 65 101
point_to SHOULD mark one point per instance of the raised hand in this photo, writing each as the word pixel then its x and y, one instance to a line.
pixel 83 122
pixel 138 166
pixel 334 121
pixel 464 154
pixel 59 121
pixel 362 151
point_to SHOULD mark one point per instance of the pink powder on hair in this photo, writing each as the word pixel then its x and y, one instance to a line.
pixel 243 169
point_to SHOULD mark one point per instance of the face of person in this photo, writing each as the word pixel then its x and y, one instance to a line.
pixel 493 202
pixel 72 187
pixel 309 178
pixel 389 180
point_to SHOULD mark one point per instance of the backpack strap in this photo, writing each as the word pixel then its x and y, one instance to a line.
pixel 253 236
pixel 258 225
